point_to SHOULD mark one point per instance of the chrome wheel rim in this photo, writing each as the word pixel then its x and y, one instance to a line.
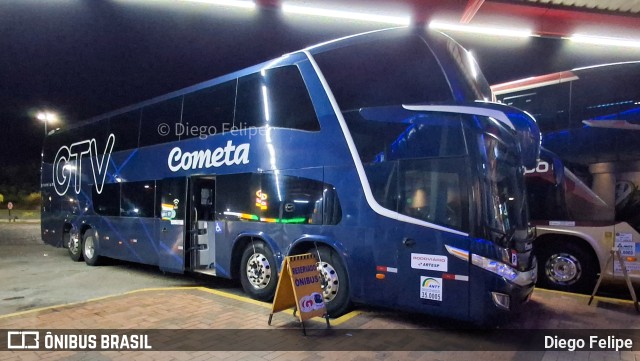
pixel 330 281
pixel 89 247
pixel 258 271
pixel 563 268
pixel 74 244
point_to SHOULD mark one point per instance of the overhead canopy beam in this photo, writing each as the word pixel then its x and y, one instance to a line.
pixel 268 3
pixel 556 21
pixel 470 10
pixel 543 19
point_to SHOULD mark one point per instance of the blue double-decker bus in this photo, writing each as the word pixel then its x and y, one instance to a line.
pixel 378 153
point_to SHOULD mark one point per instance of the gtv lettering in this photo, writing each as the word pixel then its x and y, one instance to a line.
pixel 67 164
pixel 228 155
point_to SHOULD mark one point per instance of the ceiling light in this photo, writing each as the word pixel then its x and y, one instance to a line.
pixel 601 40
pixel 233 3
pixel 483 30
pixel 338 14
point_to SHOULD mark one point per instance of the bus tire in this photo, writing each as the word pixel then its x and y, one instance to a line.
pixel 74 246
pixel 567 267
pixel 89 248
pixel 258 271
pixel 335 283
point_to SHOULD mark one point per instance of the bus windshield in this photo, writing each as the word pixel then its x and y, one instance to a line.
pixel 401 70
pixel 504 194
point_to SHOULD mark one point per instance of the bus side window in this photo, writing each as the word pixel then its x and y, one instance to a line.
pixel 206 202
pixel 137 199
pixel 98 130
pixel 237 197
pixel 289 101
pixel 126 128
pixel 170 198
pixel 276 97
pixel 250 107
pixel 292 199
pixel 331 210
pixel 432 190
pixel 155 117
pixel 107 203
pixel 209 111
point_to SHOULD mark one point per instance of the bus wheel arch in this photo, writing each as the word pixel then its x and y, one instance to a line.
pixel 257 267
pixel 90 246
pixel 333 272
pixel 566 263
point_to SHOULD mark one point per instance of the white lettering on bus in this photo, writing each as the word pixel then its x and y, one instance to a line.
pixel 68 164
pixel 228 155
pixel 542 167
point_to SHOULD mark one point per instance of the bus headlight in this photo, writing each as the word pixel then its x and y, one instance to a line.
pixel 496 267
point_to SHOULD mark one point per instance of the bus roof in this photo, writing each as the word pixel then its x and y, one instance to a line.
pixel 286 59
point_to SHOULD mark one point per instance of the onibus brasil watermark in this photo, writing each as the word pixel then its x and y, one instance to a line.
pixel 82 341
pixel 283 339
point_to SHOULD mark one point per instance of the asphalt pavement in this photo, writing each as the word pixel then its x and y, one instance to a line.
pixel 41 288
pixel 38 275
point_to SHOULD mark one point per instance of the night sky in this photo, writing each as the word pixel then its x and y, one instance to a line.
pixel 84 58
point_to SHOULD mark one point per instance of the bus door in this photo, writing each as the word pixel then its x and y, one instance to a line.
pixel 432 277
pixel 173 205
pixel 200 252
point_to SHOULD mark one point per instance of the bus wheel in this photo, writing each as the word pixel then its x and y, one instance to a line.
pixel 566 267
pixel 74 246
pixel 258 271
pixel 89 251
pixel 335 284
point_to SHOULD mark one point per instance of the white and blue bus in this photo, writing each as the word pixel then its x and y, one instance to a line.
pixel 590 118
pixel 378 153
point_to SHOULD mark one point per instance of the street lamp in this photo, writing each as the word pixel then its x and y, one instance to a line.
pixel 47 117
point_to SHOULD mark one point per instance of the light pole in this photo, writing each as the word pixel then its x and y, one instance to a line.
pixel 47 117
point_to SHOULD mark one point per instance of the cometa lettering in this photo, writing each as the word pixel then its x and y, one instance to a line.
pixel 227 155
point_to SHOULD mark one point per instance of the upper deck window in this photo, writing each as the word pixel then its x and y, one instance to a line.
pixel 156 116
pixel 209 110
pixel 384 72
pixel 126 128
pixel 275 97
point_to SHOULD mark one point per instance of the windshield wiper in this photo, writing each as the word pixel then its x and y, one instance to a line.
pixel 508 236
pixel 505 237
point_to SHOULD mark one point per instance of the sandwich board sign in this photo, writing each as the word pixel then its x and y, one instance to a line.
pixel 300 287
